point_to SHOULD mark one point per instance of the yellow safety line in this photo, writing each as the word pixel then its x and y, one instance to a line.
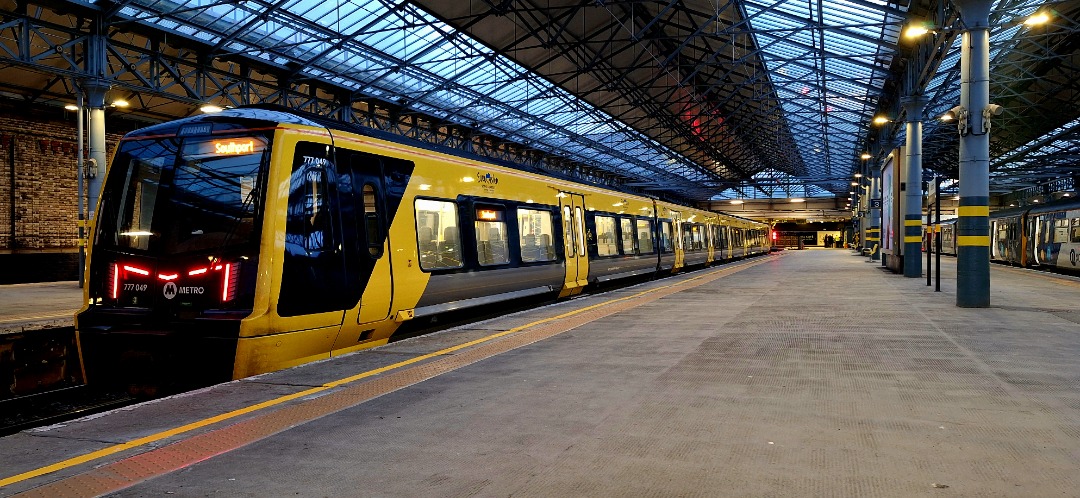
pixel 94 455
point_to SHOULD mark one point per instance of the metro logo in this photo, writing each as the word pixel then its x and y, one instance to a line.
pixel 170 290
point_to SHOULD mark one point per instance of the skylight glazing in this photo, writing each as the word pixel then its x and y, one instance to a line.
pixel 395 51
pixel 828 61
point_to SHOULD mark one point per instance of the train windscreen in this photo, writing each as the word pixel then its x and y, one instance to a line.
pixel 177 196
pixel 178 226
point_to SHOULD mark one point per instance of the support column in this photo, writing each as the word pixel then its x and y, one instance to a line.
pixel 973 225
pixel 913 106
pixel 95 92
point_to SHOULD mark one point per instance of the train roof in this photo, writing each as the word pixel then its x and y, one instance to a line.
pixel 1058 205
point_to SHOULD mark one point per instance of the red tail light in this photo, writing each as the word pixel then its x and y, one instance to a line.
pixel 135 269
pixel 172 276
pixel 114 280
pixel 228 281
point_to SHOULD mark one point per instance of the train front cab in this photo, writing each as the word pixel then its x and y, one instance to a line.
pixel 175 256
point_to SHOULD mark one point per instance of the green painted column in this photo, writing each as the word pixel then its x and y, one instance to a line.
pixel 973 224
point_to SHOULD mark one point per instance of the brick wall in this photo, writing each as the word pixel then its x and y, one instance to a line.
pixel 40 149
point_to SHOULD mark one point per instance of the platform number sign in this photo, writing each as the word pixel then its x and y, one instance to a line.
pixel 875 203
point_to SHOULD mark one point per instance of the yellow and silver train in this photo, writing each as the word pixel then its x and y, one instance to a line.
pixel 256 239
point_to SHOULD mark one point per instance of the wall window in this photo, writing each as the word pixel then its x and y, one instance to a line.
pixel 606 243
pixel 437 234
pixel 627 227
pixel 537 231
pixel 490 224
pixel 645 237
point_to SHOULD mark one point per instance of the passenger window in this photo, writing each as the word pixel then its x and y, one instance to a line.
pixel 490 224
pixel 568 232
pixel 537 230
pixel 665 236
pixel 579 221
pixel 1061 231
pixel 695 238
pixel 437 234
pixel 645 237
pixel 606 244
pixel 371 222
pixel 627 226
pixel 1076 229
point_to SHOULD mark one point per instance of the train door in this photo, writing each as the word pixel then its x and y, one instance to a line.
pixel 572 207
pixel 1037 239
pixel 680 249
pixel 370 187
pixel 314 290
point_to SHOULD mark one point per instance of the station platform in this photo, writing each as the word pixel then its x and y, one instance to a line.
pixel 804 373
pixel 47 305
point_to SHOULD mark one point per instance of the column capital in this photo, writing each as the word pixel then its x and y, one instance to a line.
pixel 96 88
pixel 914 106
pixel 974 13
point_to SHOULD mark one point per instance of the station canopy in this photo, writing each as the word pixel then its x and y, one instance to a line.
pixel 693 99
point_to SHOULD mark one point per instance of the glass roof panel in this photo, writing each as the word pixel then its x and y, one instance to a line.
pixel 827 93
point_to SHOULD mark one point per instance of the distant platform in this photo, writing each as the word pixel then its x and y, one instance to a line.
pixel 27 307
pixel 802 373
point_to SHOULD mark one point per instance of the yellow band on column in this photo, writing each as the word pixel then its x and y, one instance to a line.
pixel 973 211
pixel 973 240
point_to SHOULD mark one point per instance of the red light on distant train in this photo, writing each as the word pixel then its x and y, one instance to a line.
pixel 775 235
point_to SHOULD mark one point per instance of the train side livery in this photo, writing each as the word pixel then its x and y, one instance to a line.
pixel 257 239
pixel 1045 236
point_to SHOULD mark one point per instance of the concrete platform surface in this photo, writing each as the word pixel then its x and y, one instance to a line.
pixel 25 307
pixel 810 373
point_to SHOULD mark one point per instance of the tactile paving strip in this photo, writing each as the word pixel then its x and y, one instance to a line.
pixel 147 465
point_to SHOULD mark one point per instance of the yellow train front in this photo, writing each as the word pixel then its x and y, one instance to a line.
pixel 256 239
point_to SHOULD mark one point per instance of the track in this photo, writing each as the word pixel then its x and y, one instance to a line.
pixel 27 412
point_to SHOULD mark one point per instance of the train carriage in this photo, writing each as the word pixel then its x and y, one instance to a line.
pixel 257 239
